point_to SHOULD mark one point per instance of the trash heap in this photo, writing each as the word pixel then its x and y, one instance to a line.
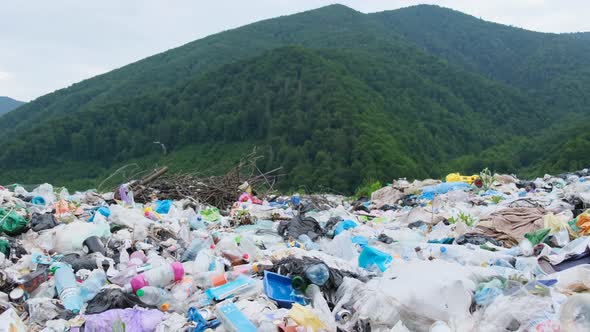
pixel 471 253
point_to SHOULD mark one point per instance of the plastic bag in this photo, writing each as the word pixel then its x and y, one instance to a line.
pixel 42 309
pixel 113 298
pixel 522 312
pixel 300 225
pixel 320 306
pixel 44 221
pixel 12 223
pixel 575 313
pixel 367 302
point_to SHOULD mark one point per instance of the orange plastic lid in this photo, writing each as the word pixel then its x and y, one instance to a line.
pixel 165 306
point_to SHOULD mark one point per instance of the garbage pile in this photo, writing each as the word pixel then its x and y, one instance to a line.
pixel 471 253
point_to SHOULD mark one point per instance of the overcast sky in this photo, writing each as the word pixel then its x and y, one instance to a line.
pixel 48 45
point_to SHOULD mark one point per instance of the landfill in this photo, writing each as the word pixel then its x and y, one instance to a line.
pixel 486 252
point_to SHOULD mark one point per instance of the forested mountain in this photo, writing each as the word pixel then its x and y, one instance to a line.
pixel 334 96
pixel 8 104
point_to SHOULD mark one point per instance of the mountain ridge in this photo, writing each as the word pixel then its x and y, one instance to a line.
pixel 426 101
pixel 8 104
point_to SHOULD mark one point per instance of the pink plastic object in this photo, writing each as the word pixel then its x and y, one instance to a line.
pixel 159 277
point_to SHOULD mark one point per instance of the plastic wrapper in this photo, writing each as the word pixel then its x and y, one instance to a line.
pixel 112 298
pixel 300 225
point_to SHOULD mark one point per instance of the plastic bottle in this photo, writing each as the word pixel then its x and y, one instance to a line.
pixel 66 287
pixel 155 296
pixel 158 277
pixel 196 222
pixel 249 247
pixel 449 254
pixel 253 268
pixel 308 243
pixel 214 279
pixel 155 260
pixel 204 259
pixel 92 285
pixel 183 289
pixel 318 274
pixel 197 244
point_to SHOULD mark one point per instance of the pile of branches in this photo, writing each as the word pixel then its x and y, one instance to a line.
pixel 219 191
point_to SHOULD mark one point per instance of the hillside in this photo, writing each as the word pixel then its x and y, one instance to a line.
pixel 8 104
pixel 316 113
pixel 334 96
pixel 552 67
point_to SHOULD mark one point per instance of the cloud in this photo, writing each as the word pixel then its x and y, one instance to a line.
pixel 46 46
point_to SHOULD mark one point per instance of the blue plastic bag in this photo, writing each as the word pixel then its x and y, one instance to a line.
pixel 344 225
pixel 371 256
pixel 163 207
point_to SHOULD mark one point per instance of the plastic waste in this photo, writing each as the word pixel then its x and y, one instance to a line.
pixel 112 298
pixel 182 289
pixel 136 319
pixel 198 243
pixel 439 326
pixel 371 257
pixel 344 225
pixel 232 319
pixel 92 285
pixel 242 285
pixel 66 287
pixel 575 313
pixel 43 221
pixel 11 322
pixel 163 207
pixel 12 223
pixel 308 244
pixel 158 277
pixel 202 324
pixel 204 260
pixel 318 274
pixel 155 296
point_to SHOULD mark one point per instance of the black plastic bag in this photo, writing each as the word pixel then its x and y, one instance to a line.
pixel 477 239
pixel 113 298
pixel 295 227
pixel 297 266
pixel 43 221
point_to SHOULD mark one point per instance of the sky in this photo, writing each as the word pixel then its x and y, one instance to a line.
pixel 49 45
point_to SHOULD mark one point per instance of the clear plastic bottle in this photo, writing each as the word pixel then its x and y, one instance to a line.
pixel 249 247
pixel 66 287
pixel 158 277
pixel 204 259
pixel 450 254
pixel 183 289
pixel 155 296
pixel 197 244
pixel 308 243
pixel 318 274
pixel 253 268
pixel 92 285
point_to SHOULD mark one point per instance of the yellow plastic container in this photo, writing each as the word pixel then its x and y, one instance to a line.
pixel 456 177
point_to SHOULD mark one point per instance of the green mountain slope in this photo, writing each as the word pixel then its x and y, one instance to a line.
pixel 8 104
pixel 334 96
pixel 333 26
pixel 321 115
pixel 553 67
